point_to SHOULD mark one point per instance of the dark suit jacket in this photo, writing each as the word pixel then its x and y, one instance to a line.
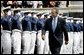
pixel 56 38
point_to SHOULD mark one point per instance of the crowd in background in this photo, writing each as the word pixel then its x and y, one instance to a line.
pixel 34 4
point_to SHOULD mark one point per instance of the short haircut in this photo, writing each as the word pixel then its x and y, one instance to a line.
pixel 55 9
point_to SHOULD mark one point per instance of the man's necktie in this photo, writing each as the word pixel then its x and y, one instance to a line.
pixel 54 24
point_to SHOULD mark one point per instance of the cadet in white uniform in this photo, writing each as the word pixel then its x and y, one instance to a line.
pixel 16 32
pixel 6 32
pixel 76 38
pixel 26 37
pixel 33 33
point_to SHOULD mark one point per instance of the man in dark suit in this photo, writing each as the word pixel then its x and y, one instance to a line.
pixel 56 27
